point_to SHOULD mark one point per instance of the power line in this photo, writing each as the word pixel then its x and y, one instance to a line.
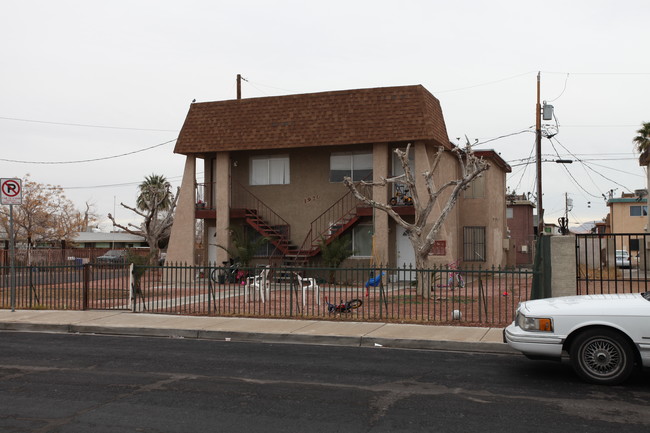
pixel 122 184
pixel 598 73
pixel 484 84
pixel 587 167
pixel 614 169
pixel 563 90
pixel 500 137
pixel 87 160
pixel 86 125
pixel 575 181
pixel 521 178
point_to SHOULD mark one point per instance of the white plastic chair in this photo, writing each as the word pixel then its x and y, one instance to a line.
pixel 259 282
pixel 308 284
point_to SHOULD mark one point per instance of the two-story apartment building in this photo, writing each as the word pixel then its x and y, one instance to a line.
pixel 276 164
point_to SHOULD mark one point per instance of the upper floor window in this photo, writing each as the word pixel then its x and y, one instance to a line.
pixel 357 166
pixel 638 210
pixel 269 170
pixel 398 168
pixel 476 188
pixel 510 213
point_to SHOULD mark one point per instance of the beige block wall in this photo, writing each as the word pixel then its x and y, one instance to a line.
pixel 563 266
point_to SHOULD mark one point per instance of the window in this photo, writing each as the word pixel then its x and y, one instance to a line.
pixel 510 213
pixel 362 240
pixel 269 170
pixel 358 166
pixel 474 248
pixel 398 169
pixel 638 210
pixel 476 188
pixel 264 248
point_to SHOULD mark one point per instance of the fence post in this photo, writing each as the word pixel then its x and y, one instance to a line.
pixel 86 283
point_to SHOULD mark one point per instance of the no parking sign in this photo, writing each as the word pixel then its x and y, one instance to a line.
pixel 12 191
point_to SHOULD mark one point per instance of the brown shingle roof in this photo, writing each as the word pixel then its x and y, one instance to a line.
pixel 387 114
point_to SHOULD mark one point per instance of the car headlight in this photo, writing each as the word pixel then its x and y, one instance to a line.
pixel 541 324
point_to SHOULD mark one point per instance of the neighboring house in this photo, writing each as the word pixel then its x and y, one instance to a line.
pixel 520 217
pixel 113 240
pixel 628 214
pixel 275 165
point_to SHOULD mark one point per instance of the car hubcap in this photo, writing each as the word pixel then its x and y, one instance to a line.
pixel 602 357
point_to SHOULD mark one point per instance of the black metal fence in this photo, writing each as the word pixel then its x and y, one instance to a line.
pixel 612 263
pixel 65 287
pixel 439 295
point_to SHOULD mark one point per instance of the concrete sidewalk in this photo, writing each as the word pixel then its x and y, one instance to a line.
pixel 258 330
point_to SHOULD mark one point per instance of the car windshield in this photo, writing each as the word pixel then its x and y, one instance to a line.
pixel 646 295
pixel 622 253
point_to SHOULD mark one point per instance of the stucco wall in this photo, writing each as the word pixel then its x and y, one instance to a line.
pixel 309 192
pixel 488 211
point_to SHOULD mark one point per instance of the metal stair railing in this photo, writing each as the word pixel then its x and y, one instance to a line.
pixel 335 219
pixel 260 216
pixel 330 224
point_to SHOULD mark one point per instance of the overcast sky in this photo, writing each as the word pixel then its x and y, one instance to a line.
pixel 96 80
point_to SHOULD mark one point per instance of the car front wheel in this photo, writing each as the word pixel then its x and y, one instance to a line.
pixel 602 356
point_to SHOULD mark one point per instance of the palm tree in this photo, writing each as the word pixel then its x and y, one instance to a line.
pixel 155 194
pixel 643 139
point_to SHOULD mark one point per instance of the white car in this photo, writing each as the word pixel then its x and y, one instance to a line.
pixel 623 259
pixel 604 335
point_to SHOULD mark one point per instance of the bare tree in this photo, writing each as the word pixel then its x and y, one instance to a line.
pixel 46 215
pixel 155 204
pixel 422 232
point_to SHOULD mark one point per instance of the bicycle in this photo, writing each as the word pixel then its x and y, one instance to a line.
pixel 228 274
pixel 401 197
pixel 343 307
pixel 454 277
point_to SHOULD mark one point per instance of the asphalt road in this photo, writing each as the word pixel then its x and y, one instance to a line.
pixel 86 383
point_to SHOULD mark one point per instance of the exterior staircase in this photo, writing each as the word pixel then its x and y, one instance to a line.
pixel 331 224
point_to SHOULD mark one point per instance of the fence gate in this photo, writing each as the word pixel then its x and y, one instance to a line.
pixel 612 263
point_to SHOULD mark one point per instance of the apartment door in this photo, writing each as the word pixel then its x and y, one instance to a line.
pixel 405 254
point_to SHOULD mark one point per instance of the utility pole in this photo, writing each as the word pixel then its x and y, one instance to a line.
pixel 538 146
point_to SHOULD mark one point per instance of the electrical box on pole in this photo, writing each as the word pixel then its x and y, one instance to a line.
pixel 547 112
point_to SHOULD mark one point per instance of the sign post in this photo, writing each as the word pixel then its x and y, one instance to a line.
pixel 11 194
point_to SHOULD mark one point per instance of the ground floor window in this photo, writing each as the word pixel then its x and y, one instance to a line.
pixel 362 240
pixel 474 248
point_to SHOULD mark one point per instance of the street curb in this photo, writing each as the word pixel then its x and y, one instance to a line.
pixel 458 346
pixel 258 337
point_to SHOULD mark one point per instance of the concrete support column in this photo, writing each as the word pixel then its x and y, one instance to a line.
pixel 222 204
pixel 563 266
pixel 380 168
pixel 181 241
